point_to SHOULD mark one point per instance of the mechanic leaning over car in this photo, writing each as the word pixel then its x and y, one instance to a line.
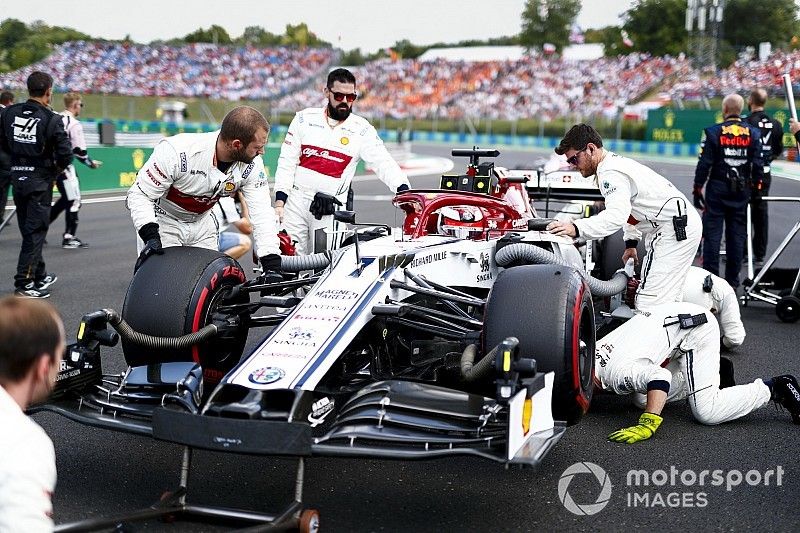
pixel 671 352
pixel 319 157
pixel 186 175
pixel 642 202
pixel 31 347
pixel 33 135
pixel 730 159
pixel 771 147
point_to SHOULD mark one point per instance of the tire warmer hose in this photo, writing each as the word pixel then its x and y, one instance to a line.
pixel 159 343
pixel 299 263
pixel 529 253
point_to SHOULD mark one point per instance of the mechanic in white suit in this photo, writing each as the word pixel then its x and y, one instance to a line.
pixel 319 157
pixel 642 202
pixel 68 185
pixel 714 293
pixel 634 359
pixel 31 347
pixel 172 198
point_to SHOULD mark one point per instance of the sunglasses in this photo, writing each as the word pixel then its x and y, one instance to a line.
pixel 574 159
pixel 351 97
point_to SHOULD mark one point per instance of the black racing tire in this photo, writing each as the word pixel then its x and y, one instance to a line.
pixel 177 293
pixel 549 309
pixel 610 256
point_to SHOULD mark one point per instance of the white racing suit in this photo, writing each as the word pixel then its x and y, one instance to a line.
pixel 74 130
pixel 180 183
pixel 27 471
pixel 651 346
pixel 721 300
pixel 316 157
pixel 643 203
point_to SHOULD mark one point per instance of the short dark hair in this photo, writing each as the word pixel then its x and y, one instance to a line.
pixel 6 98
pixel 242 123
pixel 38 83
pixel 342 75
pixel 758 97
pixel 28 330
pixel 578 137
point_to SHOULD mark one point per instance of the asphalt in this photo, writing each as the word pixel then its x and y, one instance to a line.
pixel 103 473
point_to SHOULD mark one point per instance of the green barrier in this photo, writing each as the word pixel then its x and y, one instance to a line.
pixel 687 125
pixel 120 165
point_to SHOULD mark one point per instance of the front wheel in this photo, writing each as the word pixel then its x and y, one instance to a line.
pixel 549 309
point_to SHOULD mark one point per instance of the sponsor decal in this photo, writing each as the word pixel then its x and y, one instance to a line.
pixel 229 187
pixel 184 162
pixel 152 178
pixel 602 353
pixel 485 268
pixel 300 333
pixel 734 152
pixel 735 141
pixel 193 204
pixel 336 294
pixel 519 223
pixel 247 170
pixel 266 375
pixel 344 140
pixel 736 130
pixel 319 410
pixel 328 162
pixel 227 442
pixel 318 318
pixel 195 172
pixel 326 307
pixel 160 173
pixel 492 223
pixel 428 259
pixel 286 355
pixel 25 130
pixel 608 188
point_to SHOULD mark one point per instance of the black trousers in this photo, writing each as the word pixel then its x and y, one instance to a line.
pixel 62 204
pixel 5 182
pixel 760 217
pixel 33 217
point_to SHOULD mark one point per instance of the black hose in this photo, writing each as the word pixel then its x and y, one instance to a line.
pixel 158 343
pixel 534 254
pixel 299 263
pixel 476 372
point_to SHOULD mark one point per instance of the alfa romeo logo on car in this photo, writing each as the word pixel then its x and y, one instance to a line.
pixel 266 375
pixel 586 508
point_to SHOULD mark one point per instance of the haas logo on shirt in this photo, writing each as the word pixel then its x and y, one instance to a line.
pixel 25 130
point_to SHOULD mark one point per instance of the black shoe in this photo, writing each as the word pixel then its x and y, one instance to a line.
pixel 46 282
pixel 786 392
pixel 31 291
pixel 73 243
pixel 270 276
pixel 758 262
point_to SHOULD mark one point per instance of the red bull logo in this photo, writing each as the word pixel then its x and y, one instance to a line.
pixel 736 130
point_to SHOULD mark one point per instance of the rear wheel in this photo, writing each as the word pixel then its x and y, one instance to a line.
pixel 549 309
pixel 178 293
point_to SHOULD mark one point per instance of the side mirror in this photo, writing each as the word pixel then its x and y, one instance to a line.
pixel 348 217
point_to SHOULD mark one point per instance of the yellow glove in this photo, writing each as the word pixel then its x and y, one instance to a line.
pixel 648 424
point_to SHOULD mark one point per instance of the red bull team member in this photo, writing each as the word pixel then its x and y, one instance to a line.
pixel 319 157
pixel 187 174
pixel 730 159
pixel 637 358
pixel 644 204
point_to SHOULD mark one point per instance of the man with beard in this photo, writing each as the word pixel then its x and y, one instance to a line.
pixel 186 175
pixel 643 203
pixel 319 157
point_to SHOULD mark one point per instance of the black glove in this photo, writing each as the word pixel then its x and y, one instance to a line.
pixel 323 205
pixel 402 188
pixel 152 243
pixel 697 196
pixel 272 269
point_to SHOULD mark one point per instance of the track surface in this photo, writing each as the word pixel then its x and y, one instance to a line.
pixel 102 473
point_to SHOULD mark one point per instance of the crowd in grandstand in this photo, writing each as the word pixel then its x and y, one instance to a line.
pixel 201 70
pixel 536 86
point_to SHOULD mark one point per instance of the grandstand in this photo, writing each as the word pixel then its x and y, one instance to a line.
pixel 454 87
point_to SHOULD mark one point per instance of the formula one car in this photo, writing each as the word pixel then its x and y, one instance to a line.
pixel 468 331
